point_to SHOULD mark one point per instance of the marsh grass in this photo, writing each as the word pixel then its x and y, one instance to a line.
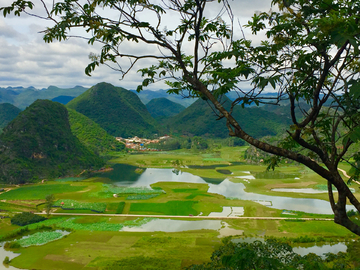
pixel 40 238
pixel 180 208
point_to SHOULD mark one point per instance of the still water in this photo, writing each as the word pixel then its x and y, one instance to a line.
pixel 304 248
pixel 3 254
pixel 124 175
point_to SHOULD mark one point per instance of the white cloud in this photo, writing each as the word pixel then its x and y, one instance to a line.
pixel 25 59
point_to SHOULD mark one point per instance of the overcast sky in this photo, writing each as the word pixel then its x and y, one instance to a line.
pixel 26 60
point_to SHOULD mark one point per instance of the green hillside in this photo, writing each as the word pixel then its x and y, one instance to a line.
pixel 92 135
pixel 120 112
pixel 39 144
pixel 7 113
pixel 199 119
pixel 163 107
pixel 147 95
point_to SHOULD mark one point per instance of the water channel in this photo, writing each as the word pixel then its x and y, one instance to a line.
pixel 124 175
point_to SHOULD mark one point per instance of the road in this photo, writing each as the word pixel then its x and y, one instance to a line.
pixel 188 217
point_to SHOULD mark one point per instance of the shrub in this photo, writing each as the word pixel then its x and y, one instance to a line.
pixel 6 260
pixel 11 245
pixel 26 218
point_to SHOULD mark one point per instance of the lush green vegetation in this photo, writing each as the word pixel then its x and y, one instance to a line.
pixel 199 120
pixel 38 191
pixel 128 115
pixel 181 208
pixel 40 238
pixel 7 113
pixel 98 242
pixel 39 144
pixel 75 205
pixel 271 254
pixel 162 107
pixel 92 135
pixel 26 218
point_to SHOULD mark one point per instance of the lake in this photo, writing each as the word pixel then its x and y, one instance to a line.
pixel 124 175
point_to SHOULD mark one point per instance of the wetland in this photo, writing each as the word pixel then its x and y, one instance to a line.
pixel 176 183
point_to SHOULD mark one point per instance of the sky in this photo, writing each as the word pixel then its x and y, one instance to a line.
pixel 26 60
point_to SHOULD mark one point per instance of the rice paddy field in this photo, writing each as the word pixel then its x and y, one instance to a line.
pixel 103 231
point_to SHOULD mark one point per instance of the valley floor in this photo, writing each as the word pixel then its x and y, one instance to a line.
pixel 170 225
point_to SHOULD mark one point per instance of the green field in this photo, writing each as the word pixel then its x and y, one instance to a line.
pixel 97 242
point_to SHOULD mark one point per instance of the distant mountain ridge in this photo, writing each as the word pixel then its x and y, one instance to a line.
pixel 163 107
pixel 199 119
pixel 22 97
pixel 39 144
pixel 63 99
pixel 117 110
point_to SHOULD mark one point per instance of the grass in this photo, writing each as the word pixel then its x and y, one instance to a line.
pixel 141 196
pixel 180 208
pixel 94 250
pixel 38 191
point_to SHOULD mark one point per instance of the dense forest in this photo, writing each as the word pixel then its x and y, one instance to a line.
pixel 92 135
pixel 7 113
pixel 199 119
pixel 118 111
pixel 162 107
pixel 39 144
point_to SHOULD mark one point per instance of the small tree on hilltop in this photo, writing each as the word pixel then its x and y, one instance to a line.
pixel 310 56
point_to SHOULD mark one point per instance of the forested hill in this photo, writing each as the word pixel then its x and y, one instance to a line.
pixel 39 144
pixel 92 135
pixel 163 107
pixel 7 113
pixel 199 120
pixel 120 112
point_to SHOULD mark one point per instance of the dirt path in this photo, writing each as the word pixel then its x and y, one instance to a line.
pixel 189 217
pixel 346 175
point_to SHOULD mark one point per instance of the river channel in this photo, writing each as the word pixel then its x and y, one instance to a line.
pixel 124 175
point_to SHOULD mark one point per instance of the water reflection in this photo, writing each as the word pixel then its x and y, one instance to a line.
pixel 300 190
pixel 321 250
pixel 3 254
pixel 120 176
pixel 304 249
pixel 170 225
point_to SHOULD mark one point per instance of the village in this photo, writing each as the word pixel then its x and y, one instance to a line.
pixel 140 144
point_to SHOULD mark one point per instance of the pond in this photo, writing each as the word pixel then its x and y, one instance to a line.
pixel 304 248
pixel 171 225
pixel 124 175
pixel 319 250
pixel 3 254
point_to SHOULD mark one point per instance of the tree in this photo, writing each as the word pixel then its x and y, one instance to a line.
pixel 310 56
pixel 270 254
pixel 49 202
